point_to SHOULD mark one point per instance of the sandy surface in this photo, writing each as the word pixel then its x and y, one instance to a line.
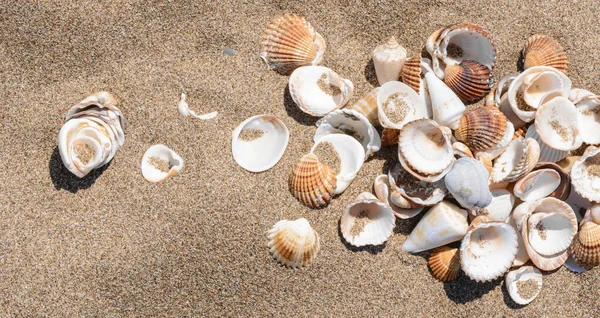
pixel 113 245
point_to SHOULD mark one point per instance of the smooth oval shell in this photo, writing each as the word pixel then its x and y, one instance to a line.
pixel 481 128
pixel 163 153
pixel 557 124
pixel 381 187
pixel 418 192
pixel 444 262
pixel 466 41
pixel 523 274
pixel 542 50
pixel 398 104
pixel 411 72
pixel 261 153
pixel 317 90
pixel 585 175
pixel 351 155
pixel 470 80
pixel 537 184
pixel 564 188
pixel 388 60
pixel 367 221
pixel 368 106
pixel 352 123
pixel 312 182
pixel 293 243
pixel 467 181
pixel 519 158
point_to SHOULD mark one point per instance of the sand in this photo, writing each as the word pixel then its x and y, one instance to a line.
pixel 113 245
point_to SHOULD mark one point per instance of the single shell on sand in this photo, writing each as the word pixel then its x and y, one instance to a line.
pixel 585 175
pixel 368 106
pixel 259 142
pixel 481 128
pixel 470 80
pixel 351 155
pixel 381 187
pixel 312 182
pixel 293 243
pixel 542 50
pixel 516 283
pixel 367 221
pixel 352 123
pixel 444 262
pixel 388 60
pixel 467 181
pixel 159 163
pixel 317 90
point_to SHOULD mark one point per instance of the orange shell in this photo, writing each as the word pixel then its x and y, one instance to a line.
pixel 411 72
pixel 470 80
pixel 481 128
pixel 389 136
pixel 312 182
pixel 585 248
pixel 542 50
pixel 444 262
pixel 294 243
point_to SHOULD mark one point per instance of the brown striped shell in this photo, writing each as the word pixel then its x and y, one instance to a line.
pixel 368 106
pixel 290 42
pixel 411 72
pixel 481 128
pixel 312 182
pixel 389 136
pixel 542 50
pixel 470 80
pixel 585 248
pixel 444 262
pixel 293 243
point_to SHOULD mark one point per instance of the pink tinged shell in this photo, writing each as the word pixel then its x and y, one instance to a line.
pixel 381 188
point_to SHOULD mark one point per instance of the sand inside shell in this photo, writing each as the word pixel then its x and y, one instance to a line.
pixel 84 152
pixel 396 108
pixel 328 155
pixel 251 134
pixel 327 88
pixel 527 289
pixel 454 51
pixel 521 104
pixel 160 164
pixel 413 187
pixel 362 219
pixel 560 130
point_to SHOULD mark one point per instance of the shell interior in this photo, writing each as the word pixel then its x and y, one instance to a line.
pixel 367 222
pixel 425 147
pixel 159 163
pixel 517 284
pixel 398 104
pixel 381 187
pixel 351 155
pixel 317 90
pixel 417 191
pixel 352 123
pixel 557 124
pixel 537 184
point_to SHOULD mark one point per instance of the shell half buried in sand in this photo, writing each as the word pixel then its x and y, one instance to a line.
pixel 367 221
pixel 317 90
pixel 312 182
pixel 398 104
pixel 293 243
pixel 159 163
pixel 524 284
pixel 259 142
pixel 344 154
pixel 351 123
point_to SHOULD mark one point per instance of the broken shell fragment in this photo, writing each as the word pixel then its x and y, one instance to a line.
pixel 542 50
pixel 388 60
pixel 159 163
pixel 312 182
pixel 352 123
pixel 516 283
pixel 444 262
pixel 367 221
pixel 467 181
pixel 420 193
pixel 351 155
pixel 398 104
pixel 381 187
pixel 184 110
pixel 293 243
pixel 317 90
pixel 557 124
pixel 259 142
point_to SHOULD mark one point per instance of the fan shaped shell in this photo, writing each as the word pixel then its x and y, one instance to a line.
pixel 470 80
pixel 542 50
pixel 312 182
pixel 481 128
pixel 367 221
pixel 293 243
pixel 411 72
pixel 444 262
pixel 586 246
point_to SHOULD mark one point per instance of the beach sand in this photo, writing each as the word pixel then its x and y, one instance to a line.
pixel 112 244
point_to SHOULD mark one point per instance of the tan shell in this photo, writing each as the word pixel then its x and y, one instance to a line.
pixel 586 246
pixel 470 80
pixel 290 42
pixel 481 128
pixel 293 243
pixel 542 50
pixel 444 262
pixel 411 72
pixel 389 136
pixel 312 182
pixel 368 106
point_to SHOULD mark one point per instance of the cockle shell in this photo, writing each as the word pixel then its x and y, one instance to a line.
pixel 290 42
pixel 92 134
pixel 585 248
pixel 444 223
pixel 585 175
pixel 444 262
pixel 467 181
pixel 547 153
pixel 264 145
pixel 588 109
pixel 156 156
pixel 500 207
pixel 467 41
pixel 352 123
pixel 488 249
pixel 481 128
pixel 388 60
pixel 470 80
pixel 389 136
pixel 447 107
pixel 312 182
pixel 381 186
pixel 542 50
pixel 351 155
pixel 537 184
pixel 317 90
pixel 420 193
pixel 411 72
pixel 293 243
pixel 499 148
pixel 367 221
pixel 523 274
pixel 398 104
pixel 519 158
pixel 368 106
pixel 564 188
pixel 557 124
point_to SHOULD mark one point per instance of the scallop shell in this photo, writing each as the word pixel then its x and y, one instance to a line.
pixel 262 152
pixel 557 124
pixel 481 128
pixel 293 243
pixel 467 181
pixel 411 72
pixel 368 106
pixel 381 187
pixel 163 154
pixel 499 148
pixel 352 123
pixel 467 41
pixel 367 221
pixel 317 90
pixel 542 50
pixel 389 136
pixel 444 262
pixel 519 158
pixel 388 60
pixel 312 182
pixel 290 42
pixel 588 111
pixel 398 104
pixel 585 249
pixel 547 153
pixel 500 207
pixel 470 80
pixel 447 107
pixel 420 193
pixel 523 274
pixel 537 184
pixel 351 155
pixel 585 175
pixel 564 188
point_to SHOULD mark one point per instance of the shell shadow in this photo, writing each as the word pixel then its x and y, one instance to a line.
pixel 406 226
pixel 370 74
pixel 63 179
pixel 464 290
pixel 521 62
pixel 294 111
pixel 373 249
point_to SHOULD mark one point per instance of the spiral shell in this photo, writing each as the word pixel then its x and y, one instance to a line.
pixel 481 128
pixel 312 182
pixel 444 262
pixel 542 50
pixel 470 80
pixel 293 243
pixel 411 72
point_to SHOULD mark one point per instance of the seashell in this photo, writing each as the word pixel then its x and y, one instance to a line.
pixel 398 104
pixel 290 42
pixel 470 80
pixel 461 150
pixel 547 153
pixel 557 124
pixel 425 150
pixel 92 134
pixel 420 193
pixel 312 182
pixel 585 175
pixel 388 60
pixel 368 106
pixel 411 72
pixel 317 90
pixel 444 223
pixel 571 265
pixel 293 243
pixel 499 148
pixel 467 181
pixel 588 115
pixel 517 292
pixel 351 155
pixel 579 204
pixel 389 136
pixel 432 47
pixel 500 207
pixel 486 162
pixel 367 221
pixel 564 188
pixel 466 41
pixel 506 109
pixel 259 142
pixel 519 158
pixel 184 110
pixel 542 50
pixel 382 191
pixel 481 128
pixel 447 107
pixel 502 87
pixel 488 249
pixel 444 262
pixel 522 256
pixel 585 249
pixel 159 163
pixel 352 123
pixel 537 184
pixel 576 95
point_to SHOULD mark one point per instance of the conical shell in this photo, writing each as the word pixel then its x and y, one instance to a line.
pixel 467 181
pixel 444 262
pixel 542 50
pixel 585 175
pixel 447 107
pixel 388 60
pixel 352 123
pixel 411 72
pixel 312 182
pixel 586 246
pixel 389 136
pixel 368 106
pixel 367 221
pixel 351 155
pixel 159 163
pixel 470 80
pixel 481 128
pixel 519 158
pixel 318 90
pixel 522 275
pixel 398 104
pixel 420 193
pixel 293 243
pixel 381 187
pixel 537 184
pixel 547 153
pixel 557 124
pixel 290 42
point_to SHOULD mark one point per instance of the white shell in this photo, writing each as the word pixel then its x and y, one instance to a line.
pixel 579 204
pixel 588 111
pixel 417 191
pixel 557 124
pixel 474 45
pixel 184 110
pixel 576 95
pixel 500 207
pixel 351 155
pixel 162 152
pixel 401 98
pixel 467 181
pixel 502 87
pixel 518 159
pixel 447 107
pixel 381 187
pixel 307 94
pixel 388 60
pixel 506 109
pixel 585 183
pixel 522 256
pixel 547 153
pixel 556 235
pixel 377 230
pixel 496 150
pixel 444 223
pixel 522 274
pixel 353 123
pixel 537 184
pixel 264 152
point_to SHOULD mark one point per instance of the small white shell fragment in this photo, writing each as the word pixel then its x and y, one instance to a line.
pixel 160 155
pixel 351 154
pixel 537 184
pixel 185 110
pixel 523 274
pixel 367 221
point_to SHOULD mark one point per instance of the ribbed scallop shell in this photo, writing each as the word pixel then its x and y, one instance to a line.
pixel 519 158
pixel 411 72
pixel 586 246
pixel 542 50
pixel 312 182
pixel 389 136
pixel 290 42
pixel 378 226
pixel 444 262
pixel 368 106
pixel 481 128
pixel 585 175
pixel 293 243
pixel 470 80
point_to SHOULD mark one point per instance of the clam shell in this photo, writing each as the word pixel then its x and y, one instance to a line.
pixel 585 175
pixel 388 60
pixel 547 153
pixel 519 158
pixel 444 262
pixel 352 123
pixel 585 249
pixel 481 128
pixel 499 148
pixel 557 124
pixel 411 72
pixel 542 50
pixel 381 187
pixel 420 193
pixel 502 87
pixel 564 188
pixel 461 150
pixel 312 182
pixel 289 42
pixel 389 136
pixel 447 107
pixel 537 184
pixel 293 243
pixel 467 41
pixel 264 151
pixel 522 256
pixel 506 109
pixel 554 227
pixel 500 207
pixel 588 115
pixel 523 274
pixel 351 155
pixel 368 106
pixel 367 221
pixel 398 104
pixel 153 173
pixel 467 181
pixel 470 80
pixel 317 90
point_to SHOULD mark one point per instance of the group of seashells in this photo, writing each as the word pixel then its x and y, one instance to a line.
pixel 513 180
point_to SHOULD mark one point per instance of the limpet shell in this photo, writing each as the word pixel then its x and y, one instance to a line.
pixel 293 243
pixel 379 223
pixel 444 262
pixel 481 128
pixel 152 172
pixel 542 50
pixel 312 182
